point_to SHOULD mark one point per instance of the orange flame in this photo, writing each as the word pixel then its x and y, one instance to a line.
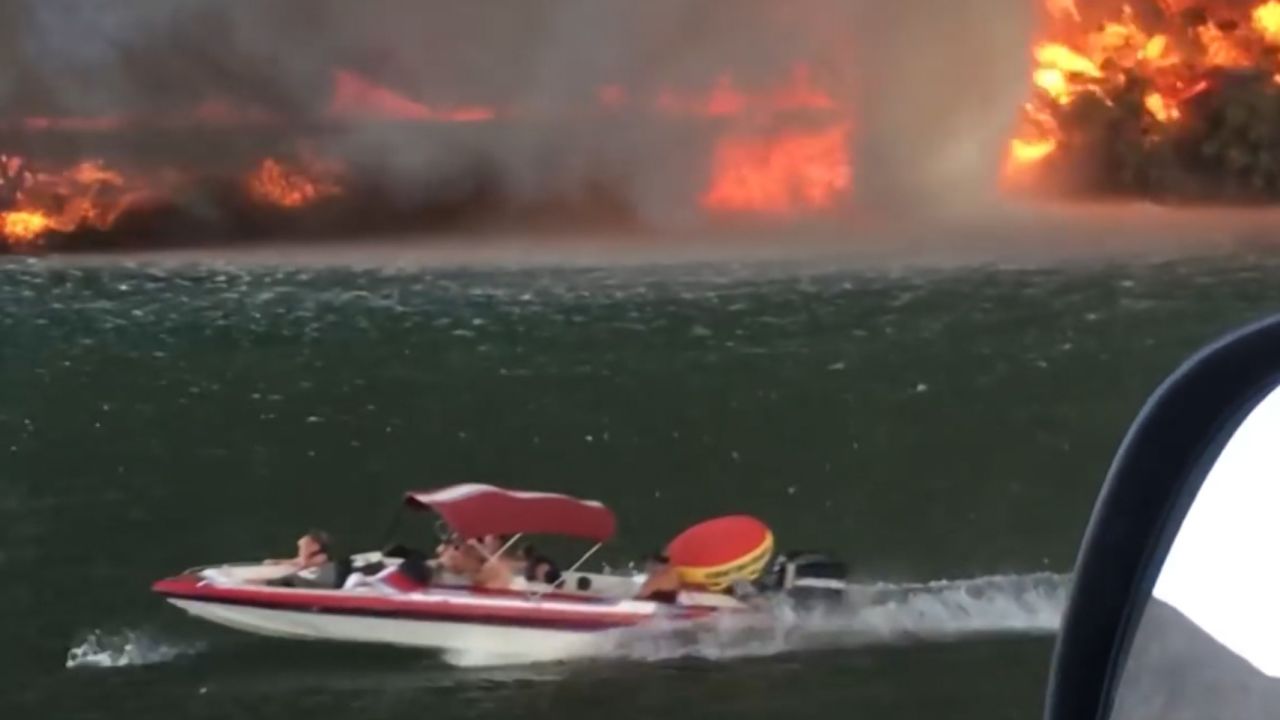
pixel 355 96
pixel 1064 9
pixel 87 195
pixel 791 168
pixel 780 174
pixel 23 227
pixel 1081 59
pixel 1266 21
pixel 275 184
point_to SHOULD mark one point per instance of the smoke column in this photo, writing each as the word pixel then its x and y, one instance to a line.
pixel 941 85
pixel 933 88
pixel 87 58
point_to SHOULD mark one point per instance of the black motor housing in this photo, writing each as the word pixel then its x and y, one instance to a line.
pixel 808 577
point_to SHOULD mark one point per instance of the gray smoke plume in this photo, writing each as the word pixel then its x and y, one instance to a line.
pixel 934 87
pixel 942 86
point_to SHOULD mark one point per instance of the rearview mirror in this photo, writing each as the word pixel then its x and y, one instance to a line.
pixel 1175 608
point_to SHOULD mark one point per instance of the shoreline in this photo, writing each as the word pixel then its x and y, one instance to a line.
pixel 1034 235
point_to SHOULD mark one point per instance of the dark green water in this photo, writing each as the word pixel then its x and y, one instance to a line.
pixel 931 426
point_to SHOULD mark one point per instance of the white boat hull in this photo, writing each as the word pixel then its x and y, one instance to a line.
pixel 488 643
pixel 487 626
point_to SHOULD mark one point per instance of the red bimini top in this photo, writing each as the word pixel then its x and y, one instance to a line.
pixel 474 510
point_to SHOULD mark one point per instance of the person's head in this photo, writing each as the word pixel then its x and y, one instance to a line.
pixel 447 553
pixel 543 571
pixel 656 561
pixel 455 556
pixel 313 543
pixel 447 542
pixel 492 543
pixel 466 557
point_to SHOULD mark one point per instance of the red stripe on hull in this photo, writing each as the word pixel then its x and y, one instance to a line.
pixel 435 608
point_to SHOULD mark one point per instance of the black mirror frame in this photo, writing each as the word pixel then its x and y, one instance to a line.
pixel 1155 475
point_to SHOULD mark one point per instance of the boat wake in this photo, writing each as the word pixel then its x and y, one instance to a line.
pixel 876 614
pixel 125 648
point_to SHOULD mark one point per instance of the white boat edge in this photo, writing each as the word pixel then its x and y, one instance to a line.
pixel 481 644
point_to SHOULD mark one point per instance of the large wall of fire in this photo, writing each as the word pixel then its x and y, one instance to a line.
pixel 1171 99
pixel 799 162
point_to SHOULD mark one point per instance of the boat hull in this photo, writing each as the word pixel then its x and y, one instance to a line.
pixel 496 626
pixel 495 643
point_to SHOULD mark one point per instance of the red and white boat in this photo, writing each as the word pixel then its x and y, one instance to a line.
pixel 526 622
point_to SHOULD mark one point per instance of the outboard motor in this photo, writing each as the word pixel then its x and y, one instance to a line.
pixel 809 578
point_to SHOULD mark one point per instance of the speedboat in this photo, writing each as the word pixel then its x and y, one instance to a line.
pixel 528 621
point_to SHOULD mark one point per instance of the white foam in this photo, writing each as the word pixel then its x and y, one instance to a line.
pixel 124 648
pixel 877 614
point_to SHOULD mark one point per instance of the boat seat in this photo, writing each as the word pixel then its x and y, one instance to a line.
pixel 342 569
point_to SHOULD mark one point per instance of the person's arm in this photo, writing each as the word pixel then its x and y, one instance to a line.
pixel 648 586
pixel 479 548
pixel 493 575
pixel 665 580
pixel 316 560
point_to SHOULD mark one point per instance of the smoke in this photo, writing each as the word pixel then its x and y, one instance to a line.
pixel 83 56
pixel 941 88
pixel 86 58
pixel 933 89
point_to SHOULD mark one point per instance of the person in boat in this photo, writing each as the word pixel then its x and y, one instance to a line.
pixel 493 569
pixel 662 581
pixel 452 557
pixel 492 544
pixel 539 568
pixel 498 569
pixel 495 547
pixel 313 566
pixel 313 551
pixel 470 561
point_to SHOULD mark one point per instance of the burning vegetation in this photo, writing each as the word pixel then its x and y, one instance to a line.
pixel 781 174
pixel 1174 100
pixel 275 183
pixel 771 151
pixel 86 195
